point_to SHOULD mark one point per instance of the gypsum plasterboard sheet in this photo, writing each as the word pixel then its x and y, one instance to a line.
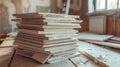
pixel 94 37
pixel 102 56
pixel 108 44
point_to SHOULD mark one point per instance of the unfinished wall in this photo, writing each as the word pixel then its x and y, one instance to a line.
pixel 4 19
pixel 7 11
pixel 41 5
pixel 9 7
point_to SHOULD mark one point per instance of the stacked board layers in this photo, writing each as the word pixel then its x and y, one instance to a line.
pixel 46 37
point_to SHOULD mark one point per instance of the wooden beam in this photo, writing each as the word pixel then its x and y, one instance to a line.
pixel 11 46
pixel 117 29
pixel 2 39
pixel 110 25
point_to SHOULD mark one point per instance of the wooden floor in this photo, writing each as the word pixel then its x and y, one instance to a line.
pixel 4 61
pixel 20 61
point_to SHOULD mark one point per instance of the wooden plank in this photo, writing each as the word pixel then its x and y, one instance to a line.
pixel 2 35
pixel 102 56
pixel 7 46
pixel 2 39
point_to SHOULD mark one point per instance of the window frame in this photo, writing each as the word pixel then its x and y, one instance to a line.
pixel 106 6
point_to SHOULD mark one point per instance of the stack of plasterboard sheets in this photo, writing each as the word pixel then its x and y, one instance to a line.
pixel 46 37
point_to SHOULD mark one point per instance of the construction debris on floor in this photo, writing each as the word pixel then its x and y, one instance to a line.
pixel 101 51
pixel 94 51
pixel 50 39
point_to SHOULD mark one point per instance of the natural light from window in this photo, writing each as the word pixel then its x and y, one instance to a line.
pixel 100 5
pixel 112 4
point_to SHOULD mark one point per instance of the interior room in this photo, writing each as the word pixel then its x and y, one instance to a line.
pixel 59 33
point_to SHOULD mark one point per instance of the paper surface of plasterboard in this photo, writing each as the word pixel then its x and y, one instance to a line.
pixel 108 44
pixel 90 36
pixel 102 56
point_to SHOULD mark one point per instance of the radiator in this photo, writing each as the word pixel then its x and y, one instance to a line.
pixel 97 24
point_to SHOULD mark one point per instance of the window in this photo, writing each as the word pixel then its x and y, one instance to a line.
pixel 119 3
pixel 90 6
pixel 112 4
pixel 99 5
